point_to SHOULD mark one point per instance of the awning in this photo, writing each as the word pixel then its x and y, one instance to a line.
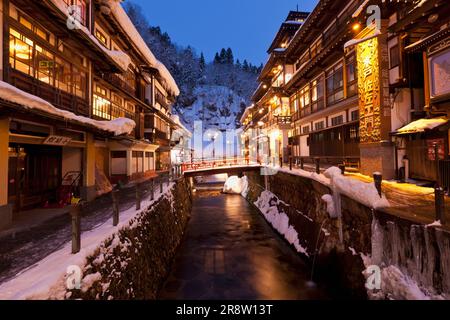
pixel 422 125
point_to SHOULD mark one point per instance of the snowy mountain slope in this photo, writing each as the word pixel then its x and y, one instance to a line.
pixel 217 107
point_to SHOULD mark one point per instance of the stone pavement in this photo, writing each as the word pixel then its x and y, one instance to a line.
pixel 21 250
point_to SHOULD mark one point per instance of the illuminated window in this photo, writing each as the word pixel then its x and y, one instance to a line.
pixel 36 61
pixel 102 104
pixel 335 84
pixel 101 37
pixel 21 52
pixel 351 76
pixel 45 64
pixel 117 109
pixel 317 92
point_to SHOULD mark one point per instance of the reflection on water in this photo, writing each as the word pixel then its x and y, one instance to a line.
pixel 230 252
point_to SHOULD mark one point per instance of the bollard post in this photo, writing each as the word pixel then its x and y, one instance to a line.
pixel 342 167
pixel 161 184
pixel 302 163
pixel 75 212
pixel 317 165
pixel 138 196
pixel 438 171
pixel 290 163
pixel 115 201
pixel 153 189
pixel 281 162
pixel 439 201
pixel 378 179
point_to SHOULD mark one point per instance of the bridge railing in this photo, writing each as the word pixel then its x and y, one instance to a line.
pixel 214 163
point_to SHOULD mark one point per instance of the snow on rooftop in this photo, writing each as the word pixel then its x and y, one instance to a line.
pixel 12 94
pixel 294 22
pixel 121 58
pixel 422 124
pixel 127 25
pixel 176 119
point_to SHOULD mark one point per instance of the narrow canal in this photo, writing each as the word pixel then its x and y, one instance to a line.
pixel 230 252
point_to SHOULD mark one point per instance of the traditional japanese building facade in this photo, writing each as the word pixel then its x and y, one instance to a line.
pixel 355 73
pixel 419 57
pixel 82 98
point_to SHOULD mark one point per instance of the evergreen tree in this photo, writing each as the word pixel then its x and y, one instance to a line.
pixel 223 56
pixel 202 63
pixel 216 58
pixel 245 66
pixel 229 56
pixel 238 63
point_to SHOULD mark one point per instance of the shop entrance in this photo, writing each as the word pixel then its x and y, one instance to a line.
pixel 34 175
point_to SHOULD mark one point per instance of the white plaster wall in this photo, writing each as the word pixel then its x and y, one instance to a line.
pixel 72 159
pixel 304 148
pixel 401 112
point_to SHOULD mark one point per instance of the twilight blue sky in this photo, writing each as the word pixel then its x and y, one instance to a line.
pixel 247 26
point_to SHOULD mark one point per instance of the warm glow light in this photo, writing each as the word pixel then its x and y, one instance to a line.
pixel 22 51
pixel 265 86
pixel 356 26
pixel 261 110
pixel 260 123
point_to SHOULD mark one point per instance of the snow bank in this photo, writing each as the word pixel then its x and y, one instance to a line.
pixel 363 192
pixel 268 203
pixel 12 94
pixel 46 279
pixel 235 185
pixel 307 174
pixel 395 285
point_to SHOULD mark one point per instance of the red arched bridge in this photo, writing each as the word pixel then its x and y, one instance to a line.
pixel 231 166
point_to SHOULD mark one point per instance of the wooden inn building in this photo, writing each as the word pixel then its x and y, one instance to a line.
pixel 346 87
pixel 83 101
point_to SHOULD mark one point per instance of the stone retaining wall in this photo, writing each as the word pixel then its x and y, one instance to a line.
pixel 135 262
pixel 420 253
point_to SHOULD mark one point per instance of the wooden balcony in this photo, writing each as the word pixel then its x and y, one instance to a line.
pixel 161 100
pixel 158 137
pixel 116 81
pixel 56 97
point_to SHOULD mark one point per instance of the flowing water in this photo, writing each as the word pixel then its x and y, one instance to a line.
pixel 230 252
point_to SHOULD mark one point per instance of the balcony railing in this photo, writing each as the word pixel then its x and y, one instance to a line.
pixel 56 97
pixel 116 81
pixel 159 97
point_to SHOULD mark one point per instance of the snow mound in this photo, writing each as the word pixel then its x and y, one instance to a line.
pixel 328 199
pixel 268 203
pixel 12 94
pixel 363 192
pixel 235 185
